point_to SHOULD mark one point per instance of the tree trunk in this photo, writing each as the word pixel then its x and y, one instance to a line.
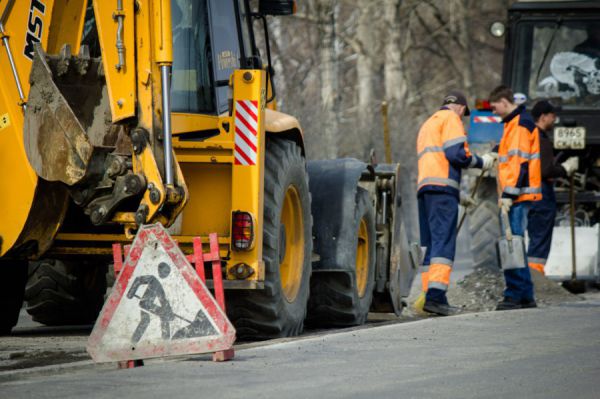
pixel 464 38
pixel 365 71
pixel 277 49
pixel 327 11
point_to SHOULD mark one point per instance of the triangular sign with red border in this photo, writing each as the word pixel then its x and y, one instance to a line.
pixel 158 306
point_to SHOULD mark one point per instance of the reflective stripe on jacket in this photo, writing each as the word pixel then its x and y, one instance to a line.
pixel 442 152
pixel 519 165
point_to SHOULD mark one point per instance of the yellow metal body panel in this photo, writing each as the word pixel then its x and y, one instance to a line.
pixel 183 123
pixel 120 81
pixel 248 181
pixel 148 76
pixel 209 208
pixel 278 122
pixel 71 14
pixel 163 42
pixel 24 26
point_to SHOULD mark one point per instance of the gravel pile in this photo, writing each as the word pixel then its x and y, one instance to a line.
pixel 479 291
pixel 483 288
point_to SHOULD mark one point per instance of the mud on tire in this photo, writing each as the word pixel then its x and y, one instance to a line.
pixel 63 293
pixel 264 314
pixel 335 299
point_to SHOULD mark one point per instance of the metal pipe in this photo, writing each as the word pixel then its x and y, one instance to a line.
pixel 165 71
pixel 572 220
pixel 384 201
pixel 7 9
pixel 120 43
pixel 11 60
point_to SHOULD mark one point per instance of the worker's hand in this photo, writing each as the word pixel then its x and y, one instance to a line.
pixel 488 160
pixel 571 165
pixel 467 201
pixel 505 204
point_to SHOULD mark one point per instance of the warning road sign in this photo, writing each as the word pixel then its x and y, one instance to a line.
pixel 158 307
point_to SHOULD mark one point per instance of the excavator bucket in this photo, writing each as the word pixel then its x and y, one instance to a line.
pixel 67 120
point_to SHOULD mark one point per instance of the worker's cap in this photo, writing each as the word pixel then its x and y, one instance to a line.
pixel 541 108
pixel 457 97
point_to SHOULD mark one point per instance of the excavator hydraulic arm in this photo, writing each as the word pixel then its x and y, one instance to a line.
pixel 87 121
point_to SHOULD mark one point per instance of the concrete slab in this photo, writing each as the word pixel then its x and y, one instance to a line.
pixel 552 352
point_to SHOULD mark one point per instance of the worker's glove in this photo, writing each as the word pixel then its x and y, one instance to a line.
pixel 505 204
pixel 467 201
pixel 488 160
pixel 571 165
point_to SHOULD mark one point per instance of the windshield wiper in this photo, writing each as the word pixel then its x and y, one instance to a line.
pixel 539 71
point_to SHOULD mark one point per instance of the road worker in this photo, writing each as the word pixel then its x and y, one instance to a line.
pixel 442 153
pixel 540 219
pixel 519 179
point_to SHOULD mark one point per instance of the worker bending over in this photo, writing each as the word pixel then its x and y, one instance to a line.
pixel 540 219
pixel 442 153
pixel 519 179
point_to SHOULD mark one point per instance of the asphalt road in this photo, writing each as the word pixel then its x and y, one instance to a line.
pixel 552 352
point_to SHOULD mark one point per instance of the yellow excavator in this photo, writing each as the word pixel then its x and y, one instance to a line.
pixel 119 113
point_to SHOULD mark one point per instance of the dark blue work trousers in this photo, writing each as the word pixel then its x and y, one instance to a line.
pixel 438 214
pixel 540 223
pixel 518 281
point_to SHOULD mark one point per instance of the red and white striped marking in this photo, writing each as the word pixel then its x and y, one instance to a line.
pixel 246 132
pixel 487 119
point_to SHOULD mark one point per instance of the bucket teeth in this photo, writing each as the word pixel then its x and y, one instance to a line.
pixel 62 66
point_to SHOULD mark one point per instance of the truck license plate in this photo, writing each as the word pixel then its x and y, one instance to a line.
pixel 569 138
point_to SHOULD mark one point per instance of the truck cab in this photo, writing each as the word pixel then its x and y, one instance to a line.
pixel 553 52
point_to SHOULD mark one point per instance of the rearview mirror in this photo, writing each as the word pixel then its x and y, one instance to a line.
pixel 277 7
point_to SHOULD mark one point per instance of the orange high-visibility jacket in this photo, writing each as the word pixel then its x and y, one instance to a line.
pixel 443 151
pixel 519 164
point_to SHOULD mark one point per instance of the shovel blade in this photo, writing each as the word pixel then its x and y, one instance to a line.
pixel 511 253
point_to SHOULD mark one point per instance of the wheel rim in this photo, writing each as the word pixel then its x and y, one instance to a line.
pixel 362 258
pixel 290 268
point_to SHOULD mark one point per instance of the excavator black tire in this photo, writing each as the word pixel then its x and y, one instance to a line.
pixel 13 275
pixel 484 226
pixel 62 293
pixel 279 309
pixel 336 300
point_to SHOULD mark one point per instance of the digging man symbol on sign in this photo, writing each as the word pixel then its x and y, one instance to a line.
pixel 148 303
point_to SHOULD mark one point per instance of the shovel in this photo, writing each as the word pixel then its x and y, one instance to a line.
pixel 573 286
pixel 511 249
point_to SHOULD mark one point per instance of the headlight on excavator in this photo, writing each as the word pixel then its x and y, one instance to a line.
pixel 242 231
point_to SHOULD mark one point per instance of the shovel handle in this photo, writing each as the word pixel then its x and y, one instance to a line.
pixel 506 225
pixel 507 231
pixel 572 217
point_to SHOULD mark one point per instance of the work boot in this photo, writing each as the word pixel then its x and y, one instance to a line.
pixel 509 303
pixel 528 303
pixel 440 309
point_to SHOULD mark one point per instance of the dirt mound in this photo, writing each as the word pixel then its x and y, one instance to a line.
pixel 482 289
pixel 479 291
